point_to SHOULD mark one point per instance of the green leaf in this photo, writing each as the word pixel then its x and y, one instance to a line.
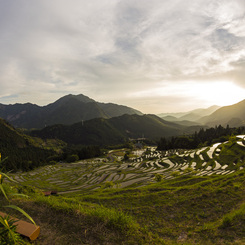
pixel 5 175
pixel 2 161
pixel 22 211
pixel 3 191
pixel 19 195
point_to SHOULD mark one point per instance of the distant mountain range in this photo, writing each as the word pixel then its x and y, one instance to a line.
pixel 80 119
pixel 116 130
pixel 193 115
pixel 67 110
pixel 233 115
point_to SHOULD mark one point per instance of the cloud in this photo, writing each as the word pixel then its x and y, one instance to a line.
pixel 110 50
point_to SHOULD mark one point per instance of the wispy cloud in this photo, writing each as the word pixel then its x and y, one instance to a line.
pixel 110 50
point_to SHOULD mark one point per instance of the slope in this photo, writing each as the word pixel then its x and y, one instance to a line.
pixel 66 110
pixel 115 130
pixel 23 152
pixel 191 115
pixel 234 114
pixel 179 209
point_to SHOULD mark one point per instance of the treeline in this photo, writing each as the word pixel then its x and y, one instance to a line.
pixel 23 159
pixel 25 153
pixel 199 139
pixel 29 158
pixel 73 153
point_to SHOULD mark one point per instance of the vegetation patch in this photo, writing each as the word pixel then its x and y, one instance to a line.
pixel 193 198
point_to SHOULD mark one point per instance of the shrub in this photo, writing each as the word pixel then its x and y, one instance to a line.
pixel 175 173
pixel 189 170
pixel 72 158
pixel 8 235
pixel 158 177
pixel 108 184
pixel 233 217
pixel 52 162
pixel 226 222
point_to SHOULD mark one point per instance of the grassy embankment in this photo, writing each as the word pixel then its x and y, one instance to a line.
pixel 187 209
pixel 184 210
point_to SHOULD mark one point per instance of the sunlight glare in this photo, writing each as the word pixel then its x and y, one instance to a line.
pixel 220 93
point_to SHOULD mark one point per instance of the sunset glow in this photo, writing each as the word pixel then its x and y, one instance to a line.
pixel 152 56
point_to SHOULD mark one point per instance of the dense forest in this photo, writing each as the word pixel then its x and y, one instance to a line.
pixel 113 131
pixel 25 153
pixel 198 139
pixel 72 153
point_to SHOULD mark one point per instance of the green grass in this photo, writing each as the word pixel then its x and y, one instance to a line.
pixel 185 209
pixel 231 153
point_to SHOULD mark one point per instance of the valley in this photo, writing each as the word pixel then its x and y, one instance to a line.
pixel 143 167
pixel 122 122
pixel 125 179
pixel 152 197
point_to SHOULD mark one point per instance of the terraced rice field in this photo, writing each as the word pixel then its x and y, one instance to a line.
pixel 138 171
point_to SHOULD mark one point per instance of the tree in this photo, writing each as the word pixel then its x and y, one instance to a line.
pixel 126 156
pixel 72 158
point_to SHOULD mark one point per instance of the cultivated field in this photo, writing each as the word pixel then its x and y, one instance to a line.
pixel 143 167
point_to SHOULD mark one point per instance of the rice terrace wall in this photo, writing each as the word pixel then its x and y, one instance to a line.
pixel 143 168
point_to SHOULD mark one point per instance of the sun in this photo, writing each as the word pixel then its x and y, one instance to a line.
pixel 219 92
pixel 176 96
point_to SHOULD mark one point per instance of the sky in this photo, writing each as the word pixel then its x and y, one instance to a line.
pixel 155 56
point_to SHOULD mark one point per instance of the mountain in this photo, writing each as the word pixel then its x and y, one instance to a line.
pixel 110 131
pixel 233 115
pixel 67 110
pixel 170 118
pixel 193 115
pixel 187 123
pixel 198 113
pixel 172 114
pixel 22 152
pixel 180 122
pixel 116 130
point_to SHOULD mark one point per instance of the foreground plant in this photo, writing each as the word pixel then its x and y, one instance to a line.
pixel 7 232
pixel 8 235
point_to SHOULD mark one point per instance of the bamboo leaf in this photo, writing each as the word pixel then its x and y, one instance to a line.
pixel 22 211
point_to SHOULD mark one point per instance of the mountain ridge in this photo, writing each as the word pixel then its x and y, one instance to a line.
pixel 68 109
pixel 200 112
pixel 22 151
pixel 234 114
pixel 115 130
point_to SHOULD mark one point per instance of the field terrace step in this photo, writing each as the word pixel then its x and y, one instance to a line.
pixel 217 166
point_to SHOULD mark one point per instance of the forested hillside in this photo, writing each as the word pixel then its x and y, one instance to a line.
pixel 198 139
pixel 116 130
pixel 233 115
pixel 67 110
pixel 20 151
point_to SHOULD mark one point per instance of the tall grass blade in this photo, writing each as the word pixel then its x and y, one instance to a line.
pixel 19 195
pixel 22 211
pixel 5 175
pixel 3 191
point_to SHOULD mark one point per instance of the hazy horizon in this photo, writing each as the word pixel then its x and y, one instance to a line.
pixel 154 56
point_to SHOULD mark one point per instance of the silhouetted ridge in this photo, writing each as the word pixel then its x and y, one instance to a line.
pixel 66 110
